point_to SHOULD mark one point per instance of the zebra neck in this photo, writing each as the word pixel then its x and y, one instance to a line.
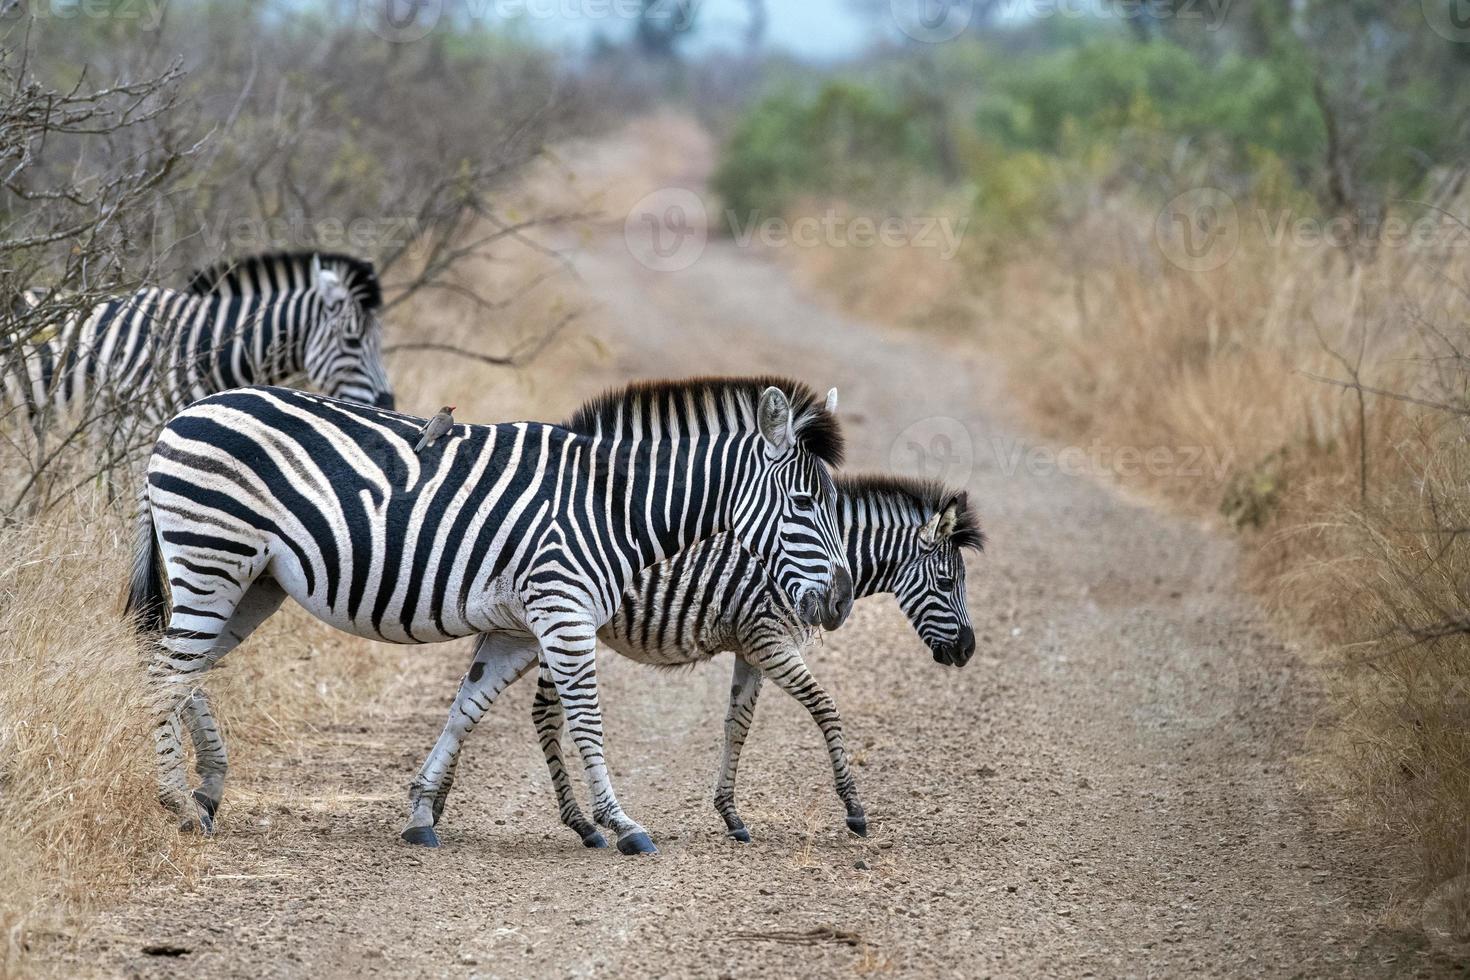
pixel 680 495
pixel 876 552
pixel 272 329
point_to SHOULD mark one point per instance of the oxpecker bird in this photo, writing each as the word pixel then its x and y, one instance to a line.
pixel 436 427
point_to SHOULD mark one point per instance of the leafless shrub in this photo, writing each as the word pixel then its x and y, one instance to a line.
pixel 80 169
pixel 261 135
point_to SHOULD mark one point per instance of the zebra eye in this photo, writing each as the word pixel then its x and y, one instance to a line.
pixel 802 501
pixel 944 582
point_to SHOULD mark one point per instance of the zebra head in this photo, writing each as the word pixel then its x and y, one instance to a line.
pixel 788 517
pixel 930 585
pixel 344 342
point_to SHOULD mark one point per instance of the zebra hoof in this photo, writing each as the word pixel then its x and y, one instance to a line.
pixel 858 825
pixel 594 839
pixel 198 824
pixel 422 836
pixel 740 834
pixel 205 803
pixel 638 843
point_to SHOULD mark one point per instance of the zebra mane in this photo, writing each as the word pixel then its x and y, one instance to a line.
pixel 817 430
pixel 263 273
pixel 927 497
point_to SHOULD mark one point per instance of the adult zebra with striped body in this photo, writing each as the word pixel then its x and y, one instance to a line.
pixel 259 320
pixel 901 536
pixel 524 533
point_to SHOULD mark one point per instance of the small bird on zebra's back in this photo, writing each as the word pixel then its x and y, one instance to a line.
pixel 436 427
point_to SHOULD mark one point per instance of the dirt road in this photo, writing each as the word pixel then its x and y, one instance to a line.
pixel 1108 788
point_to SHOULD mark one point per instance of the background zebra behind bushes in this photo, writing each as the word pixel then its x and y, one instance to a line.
pixel 265 319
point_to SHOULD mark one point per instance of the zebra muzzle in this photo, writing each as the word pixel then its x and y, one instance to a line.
pixel 839 600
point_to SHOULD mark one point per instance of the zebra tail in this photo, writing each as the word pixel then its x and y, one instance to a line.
pixel 147 601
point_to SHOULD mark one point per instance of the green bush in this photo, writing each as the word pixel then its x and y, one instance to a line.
pixel 1032 118
pixel 847 139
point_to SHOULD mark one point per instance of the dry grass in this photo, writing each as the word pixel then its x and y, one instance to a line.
pixel 1355 524
pixel 76 787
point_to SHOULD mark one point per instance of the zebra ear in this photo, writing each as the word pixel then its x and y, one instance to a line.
pixel 949 516
pixel 774 416
pixel 929 533
pixel 942 525
pixel 831 401
pixel 316 269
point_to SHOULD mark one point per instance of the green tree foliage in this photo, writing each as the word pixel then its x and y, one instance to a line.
pixel 1352 103
pixel 847 139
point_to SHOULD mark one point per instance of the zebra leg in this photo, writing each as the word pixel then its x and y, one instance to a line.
pixel 568 651
pixel 745 688
pixel 789 671
pixel 500 658
pixel 202 611
pixel 547 715
pixel 210 760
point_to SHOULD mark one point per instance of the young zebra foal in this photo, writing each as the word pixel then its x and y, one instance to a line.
pixel 901 536
pixel 522 533
pixel 258 320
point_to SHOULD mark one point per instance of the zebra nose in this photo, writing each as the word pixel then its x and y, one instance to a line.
pixel 958 653
pixel 839 599
pixel 964 646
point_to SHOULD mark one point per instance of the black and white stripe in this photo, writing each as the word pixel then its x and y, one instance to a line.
pixel 525 534
pixel 260 320
pixel 901 536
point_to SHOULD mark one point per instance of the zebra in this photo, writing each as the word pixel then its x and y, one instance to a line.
pixel 902 536
pixel 261 319
pixel 524 534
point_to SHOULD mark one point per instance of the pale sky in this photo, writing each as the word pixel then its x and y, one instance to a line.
pixel 818 29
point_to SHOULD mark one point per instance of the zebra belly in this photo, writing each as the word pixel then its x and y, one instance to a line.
pixel 496 611
pixel 667 654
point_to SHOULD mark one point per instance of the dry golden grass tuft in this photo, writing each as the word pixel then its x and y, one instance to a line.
pixel 77 803
pixel 79 818
pixel 1357 512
